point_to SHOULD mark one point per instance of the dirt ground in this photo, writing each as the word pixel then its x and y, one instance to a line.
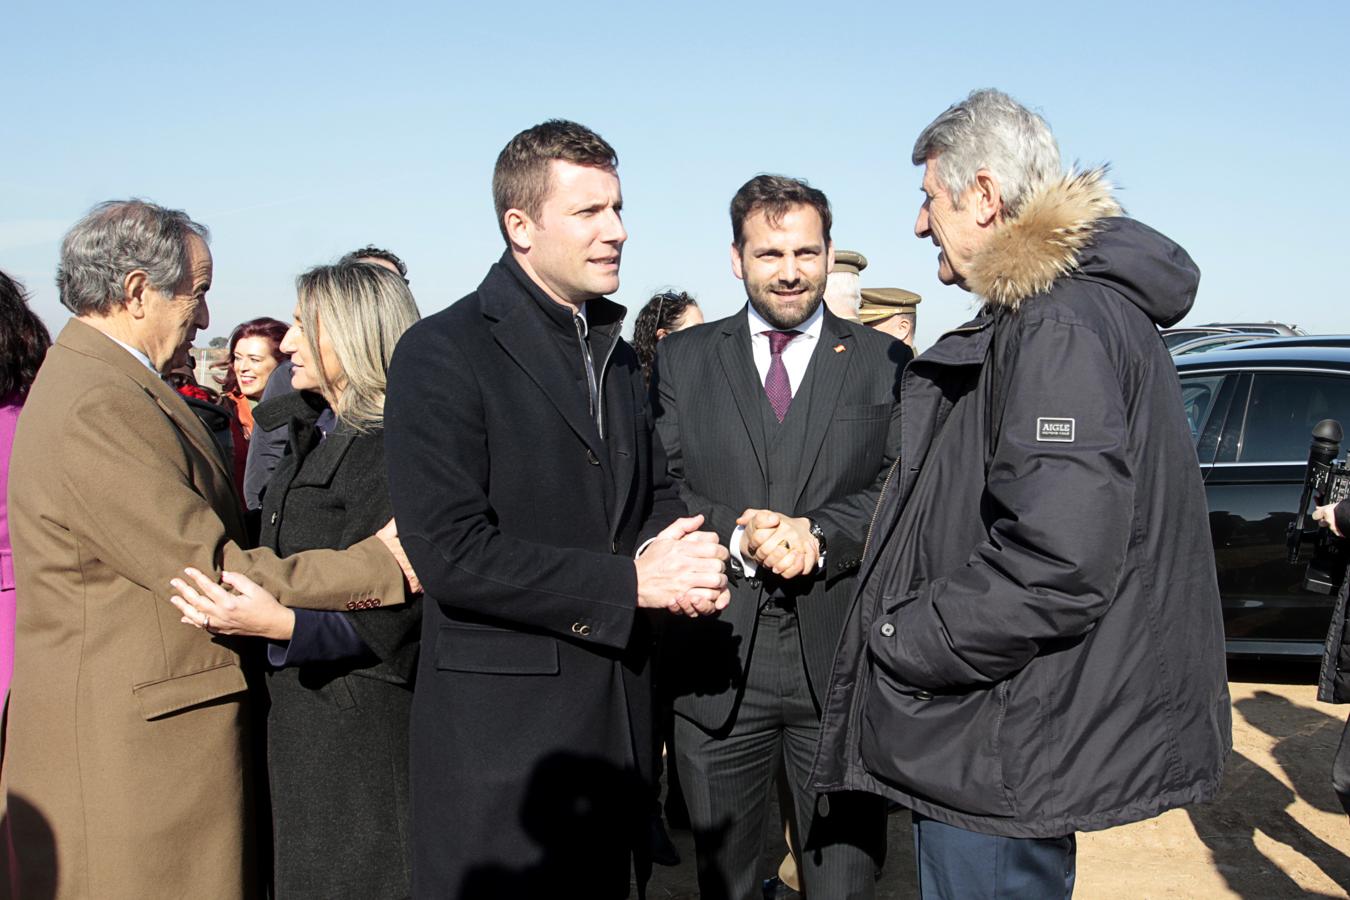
pixel 1275 831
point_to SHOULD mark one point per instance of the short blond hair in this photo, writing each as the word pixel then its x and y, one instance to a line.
pixel 364 308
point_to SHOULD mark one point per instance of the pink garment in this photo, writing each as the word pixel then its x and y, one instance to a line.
pixel 9 417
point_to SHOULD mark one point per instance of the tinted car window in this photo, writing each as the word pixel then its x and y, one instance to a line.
pixel 1283 408
pixel 1198 393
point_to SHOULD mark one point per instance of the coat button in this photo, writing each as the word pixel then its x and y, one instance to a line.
pixel 923 695
pixel 591 457
pixel 578 628
pixel 887 629
pixel 273 520
pixel 613 546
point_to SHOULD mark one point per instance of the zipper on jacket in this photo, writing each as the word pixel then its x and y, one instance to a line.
pixel 867 544
pixel 600 390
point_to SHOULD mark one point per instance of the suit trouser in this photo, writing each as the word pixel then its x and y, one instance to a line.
pixel 728 780
pixel 956 864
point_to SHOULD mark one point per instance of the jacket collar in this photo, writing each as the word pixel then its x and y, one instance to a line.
pixel 500 290
pixel 522 330
pixel 1044 241
pixel 89 341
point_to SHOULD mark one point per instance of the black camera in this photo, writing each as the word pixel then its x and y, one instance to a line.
pixel 1326 481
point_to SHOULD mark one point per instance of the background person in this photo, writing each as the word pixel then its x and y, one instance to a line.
pixel 340 684
pixel 665 313
pixel 204 402
pixel 1333 684
pixel 254 353
pixel 892 311
pixel 843 290
pixel 23 344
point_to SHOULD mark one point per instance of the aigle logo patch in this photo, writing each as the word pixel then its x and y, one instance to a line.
pixel 1058 430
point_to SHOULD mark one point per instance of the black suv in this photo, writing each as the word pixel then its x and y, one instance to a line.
pixel 1251 412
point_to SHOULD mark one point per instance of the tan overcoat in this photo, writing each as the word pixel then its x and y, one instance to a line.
pixel 125 760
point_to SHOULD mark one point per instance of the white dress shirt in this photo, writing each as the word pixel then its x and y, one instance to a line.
pixel 796 355
pixel 144 360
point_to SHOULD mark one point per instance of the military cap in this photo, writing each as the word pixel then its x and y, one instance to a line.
pixel 880 303
pixel 849 261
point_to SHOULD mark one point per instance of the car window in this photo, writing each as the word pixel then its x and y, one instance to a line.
pixel 1283 408
pixel 1198 393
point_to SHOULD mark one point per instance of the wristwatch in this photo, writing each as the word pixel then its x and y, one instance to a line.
pixel 819 534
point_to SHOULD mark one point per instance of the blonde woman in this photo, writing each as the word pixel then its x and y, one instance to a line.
pixel 340 684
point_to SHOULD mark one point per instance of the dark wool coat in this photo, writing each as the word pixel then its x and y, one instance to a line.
pixel 1037 645
pixel 531 722
pixel 337 732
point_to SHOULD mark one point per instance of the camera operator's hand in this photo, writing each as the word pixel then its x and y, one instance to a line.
pixel 1326 517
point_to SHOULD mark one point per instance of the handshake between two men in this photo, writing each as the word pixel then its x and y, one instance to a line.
pixel 683 569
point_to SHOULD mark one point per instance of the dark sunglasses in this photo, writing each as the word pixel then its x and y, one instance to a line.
pixel 665 295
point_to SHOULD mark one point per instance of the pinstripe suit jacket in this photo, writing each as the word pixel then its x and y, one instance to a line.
pixel 709 402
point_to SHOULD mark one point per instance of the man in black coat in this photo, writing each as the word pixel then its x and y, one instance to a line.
pixel 780 424
pixel 525 473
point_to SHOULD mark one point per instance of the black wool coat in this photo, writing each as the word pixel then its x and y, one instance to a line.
pixel 531 723
pixel 337 732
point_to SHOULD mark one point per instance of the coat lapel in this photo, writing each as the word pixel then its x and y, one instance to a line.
pixel 828 366
pixel 525 339
pixel 738 364
pixel 326 456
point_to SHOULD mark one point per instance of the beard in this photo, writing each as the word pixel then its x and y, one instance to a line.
pixel 781 313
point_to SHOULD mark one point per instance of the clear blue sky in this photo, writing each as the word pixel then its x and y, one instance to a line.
pixel 297 131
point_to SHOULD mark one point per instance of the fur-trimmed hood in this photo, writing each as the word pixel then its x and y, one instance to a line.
pixel 1074 225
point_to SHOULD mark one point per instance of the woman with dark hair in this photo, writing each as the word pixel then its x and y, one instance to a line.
pixel 255 351
pixel 23 343
pixel 666 313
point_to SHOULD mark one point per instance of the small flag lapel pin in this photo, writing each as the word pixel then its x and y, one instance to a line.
pixel 839 348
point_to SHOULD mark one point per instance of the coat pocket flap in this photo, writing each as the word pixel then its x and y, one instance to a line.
pixel 494 651
pixel 171 695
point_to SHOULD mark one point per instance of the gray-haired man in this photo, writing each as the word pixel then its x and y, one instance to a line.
pixel 127 768
pixel 1037 646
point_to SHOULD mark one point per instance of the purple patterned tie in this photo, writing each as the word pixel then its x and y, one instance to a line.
pixel 776 383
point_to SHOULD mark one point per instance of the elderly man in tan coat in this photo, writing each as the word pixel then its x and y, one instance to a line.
pixel 126 763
